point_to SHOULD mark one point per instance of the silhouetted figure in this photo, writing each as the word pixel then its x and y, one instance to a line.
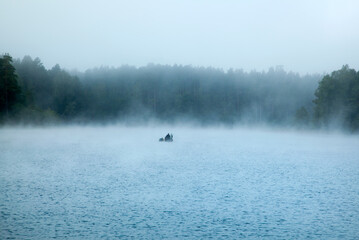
pixel 168 137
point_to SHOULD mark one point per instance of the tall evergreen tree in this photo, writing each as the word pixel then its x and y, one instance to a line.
pixel 337 99
pixel 9 87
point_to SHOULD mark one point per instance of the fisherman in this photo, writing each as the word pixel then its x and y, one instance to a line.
pixel 168 137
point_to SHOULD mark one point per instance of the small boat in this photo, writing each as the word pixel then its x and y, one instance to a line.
pixel 168 138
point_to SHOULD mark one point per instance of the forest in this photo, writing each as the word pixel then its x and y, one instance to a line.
pixel 32 94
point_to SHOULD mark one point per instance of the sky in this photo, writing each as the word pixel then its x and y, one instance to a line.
pixel 300 35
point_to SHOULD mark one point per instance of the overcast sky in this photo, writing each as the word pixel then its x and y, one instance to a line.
pixel 303 36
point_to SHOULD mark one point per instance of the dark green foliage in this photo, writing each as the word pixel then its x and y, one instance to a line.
pixel 9 87
pixel 174 93
pixel 67 92
pixel 49 94
pixel 205 94
pixel 168 93
pixel 337 99
pixel 35 82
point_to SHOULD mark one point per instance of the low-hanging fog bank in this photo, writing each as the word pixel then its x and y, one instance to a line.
pixel 176 94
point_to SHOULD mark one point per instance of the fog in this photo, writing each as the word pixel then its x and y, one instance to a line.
pixel 250 63
pixel 120 182
pixel 262 99
pixel 303 36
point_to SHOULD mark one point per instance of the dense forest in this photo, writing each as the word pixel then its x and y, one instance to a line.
pixel 32 94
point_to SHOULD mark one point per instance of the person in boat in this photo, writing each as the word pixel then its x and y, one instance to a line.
pixel 168 137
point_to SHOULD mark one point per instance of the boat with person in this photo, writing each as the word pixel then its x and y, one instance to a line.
pixel 168 138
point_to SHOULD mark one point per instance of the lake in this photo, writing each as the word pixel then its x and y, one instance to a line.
pixel 121 182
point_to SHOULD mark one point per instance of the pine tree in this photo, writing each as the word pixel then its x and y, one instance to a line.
pixel 9 87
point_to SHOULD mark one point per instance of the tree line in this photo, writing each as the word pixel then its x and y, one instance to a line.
pixel 30 93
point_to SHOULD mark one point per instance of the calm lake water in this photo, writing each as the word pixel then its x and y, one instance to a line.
pixel 116 182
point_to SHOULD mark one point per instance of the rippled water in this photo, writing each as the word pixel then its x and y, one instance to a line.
pixel 114 182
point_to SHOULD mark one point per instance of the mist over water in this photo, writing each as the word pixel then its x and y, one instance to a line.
pixel 262 98
pixel 110 182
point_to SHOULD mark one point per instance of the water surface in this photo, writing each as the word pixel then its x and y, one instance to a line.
pixel 116 182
